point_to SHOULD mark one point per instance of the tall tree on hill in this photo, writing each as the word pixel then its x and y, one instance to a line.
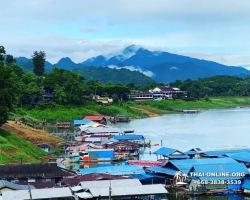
pixel 2 52
pixel 38 60
pixel 9 60
pixel 8 91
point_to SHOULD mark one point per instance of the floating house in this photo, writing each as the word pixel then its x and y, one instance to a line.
pixel 191 111
pixel 102 131
pixel 96 155
pixel 170 154
pixel 118 189
pixel 48 193
pixel 241 157
pixel 115 170
pixel 89 177
pixel 146 179
pixel 170 169
pixel 132 138
pixel 121 118
pixel 194 153
pixel 222 152
pixel 124 148
pixel 98 118
pixel 227 177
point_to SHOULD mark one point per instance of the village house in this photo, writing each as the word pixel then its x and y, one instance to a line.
pixel 141 96
pixel 43 175
pixel 97 118
pixel 166 92
pixel 124 148
pixel 170 154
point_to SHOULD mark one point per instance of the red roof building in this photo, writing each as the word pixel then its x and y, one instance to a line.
pixel 96 118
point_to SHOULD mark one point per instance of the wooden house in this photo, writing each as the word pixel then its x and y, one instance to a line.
pixel 121 118
pixel 63 124
pixel 124 147
pixel 43 175
pixel 97 118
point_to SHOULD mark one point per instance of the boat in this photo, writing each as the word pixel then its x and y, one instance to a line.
pixel 128 131
pixel 190 111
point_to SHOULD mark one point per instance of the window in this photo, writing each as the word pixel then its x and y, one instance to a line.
pixel 31 180
pixel 46 180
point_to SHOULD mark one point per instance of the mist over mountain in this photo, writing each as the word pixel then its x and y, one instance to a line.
pixel 158 65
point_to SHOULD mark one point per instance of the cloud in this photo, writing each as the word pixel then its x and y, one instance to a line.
pixel 132 68
pixel 81 29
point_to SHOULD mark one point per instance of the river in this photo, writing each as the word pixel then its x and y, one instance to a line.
pixel 208 129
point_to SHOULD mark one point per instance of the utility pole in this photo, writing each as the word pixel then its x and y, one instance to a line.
pixel 29 191
pixel 110 190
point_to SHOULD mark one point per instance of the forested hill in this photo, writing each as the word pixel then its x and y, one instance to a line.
pixel 106 74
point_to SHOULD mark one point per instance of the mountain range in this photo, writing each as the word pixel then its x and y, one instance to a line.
pixel 158 65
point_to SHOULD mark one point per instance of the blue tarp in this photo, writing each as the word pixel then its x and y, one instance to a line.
pixel 82 122
pixel 115 170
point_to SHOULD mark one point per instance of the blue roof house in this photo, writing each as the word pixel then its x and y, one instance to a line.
pixel 171 154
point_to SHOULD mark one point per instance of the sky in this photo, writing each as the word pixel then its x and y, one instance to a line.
pixel 216 30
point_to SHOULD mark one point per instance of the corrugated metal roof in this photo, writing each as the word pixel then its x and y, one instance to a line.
pixel 246 184
pixel 103 130
pixel 164 151
pixel 37 194
pixel 187 164
pixel 112 183
pixel 115 170
pixel 84 195
pixel 81 121
pixel 224 152
pixel 90 139
pixel 241 156
pixel 108 141
pixel 180 156
pixel 99 150
pixel 163 170
pixel 219 171
pixel 76 188
pixel 129 137
pixel 144 176
pixel 129 190
pixel 94 117
pixel 4 183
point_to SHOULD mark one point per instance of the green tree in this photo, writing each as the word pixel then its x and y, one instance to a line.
pixel 9 60
pixel 2 52
pixel 38 60
pixel 8 91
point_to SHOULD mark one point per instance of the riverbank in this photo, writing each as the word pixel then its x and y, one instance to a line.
pixel 132 109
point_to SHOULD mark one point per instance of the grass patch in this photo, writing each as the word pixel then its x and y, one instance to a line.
pixel 13 149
